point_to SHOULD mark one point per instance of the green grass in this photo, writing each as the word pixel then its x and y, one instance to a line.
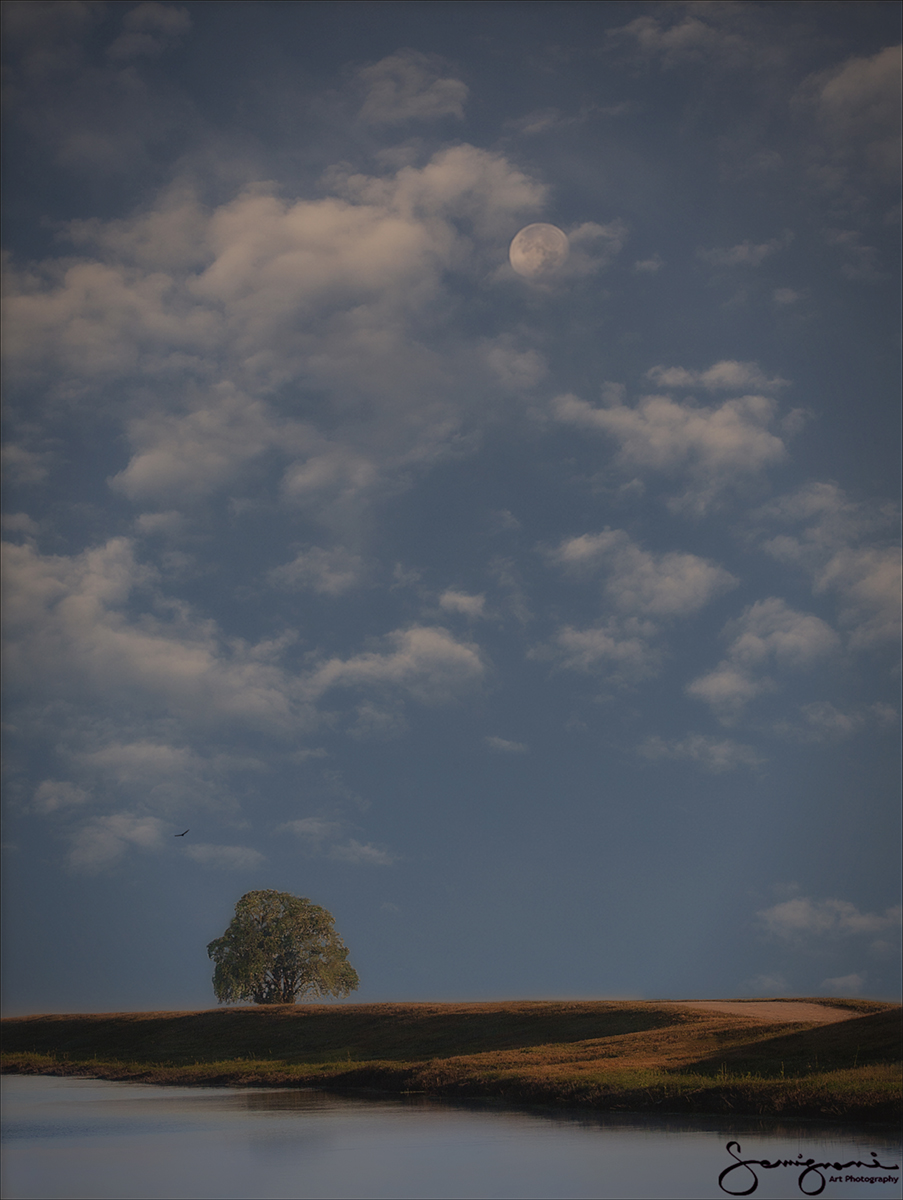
pixel 627 1056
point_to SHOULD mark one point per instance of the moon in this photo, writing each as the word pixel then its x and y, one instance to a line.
pixel 538 250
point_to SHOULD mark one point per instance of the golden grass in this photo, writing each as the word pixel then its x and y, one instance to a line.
pixel 607 1054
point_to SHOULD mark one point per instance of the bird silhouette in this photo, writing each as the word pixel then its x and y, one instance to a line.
pixel 180 834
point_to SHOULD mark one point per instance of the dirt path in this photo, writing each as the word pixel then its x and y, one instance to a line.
pixel 772 1010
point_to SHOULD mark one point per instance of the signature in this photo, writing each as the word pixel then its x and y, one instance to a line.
pixel 809 1168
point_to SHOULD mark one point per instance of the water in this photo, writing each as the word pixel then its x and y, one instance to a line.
pixel 82 1139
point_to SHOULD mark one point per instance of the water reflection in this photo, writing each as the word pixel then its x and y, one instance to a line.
pixel 87 1138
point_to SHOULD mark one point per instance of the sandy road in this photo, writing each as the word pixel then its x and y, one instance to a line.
pixel 772 1010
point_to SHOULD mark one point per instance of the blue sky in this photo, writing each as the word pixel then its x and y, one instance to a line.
pixel 543 629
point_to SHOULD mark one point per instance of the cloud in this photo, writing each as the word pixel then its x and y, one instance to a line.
pixel 409 86
pixel 769 634
pixel 622 651
pixel 20 523
pixel 784 296
pixel 313 829
pixel 642 583
pixel 713 448
pixel 725 376
pixel 144 760
pixel 462 602
pixel 426 661
pixel 768 985
pixel 709 35
pixel 831 544
pixel 330 572
pixel 517 368
pixel 382 720
pixel 160 524
pixel 856 108
pixel 804 917
pixel 822 721
pixel 744 254
pixel 228 858
pixel 843 985
pixel 71 637
pixel 53 794
pixel 23 466
pixel 355 852
pixel 104 840
pixel 149 29
pixel 192 454
pixel 861 261
pixel 593 247
pixel 506 747
pixel 649 266
pixel 200 328
pixel 716 755
pixel 322 837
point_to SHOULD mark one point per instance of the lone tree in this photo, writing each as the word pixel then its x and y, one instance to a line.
pixel 278 948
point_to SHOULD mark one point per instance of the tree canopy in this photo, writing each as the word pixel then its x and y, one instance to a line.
pixel 277 949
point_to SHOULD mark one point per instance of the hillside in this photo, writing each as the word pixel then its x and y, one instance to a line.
pixel 825 1058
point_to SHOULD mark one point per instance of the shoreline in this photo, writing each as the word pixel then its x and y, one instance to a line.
pixel 666 1057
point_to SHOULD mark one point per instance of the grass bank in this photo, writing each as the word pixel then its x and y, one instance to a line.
pixel 606 1055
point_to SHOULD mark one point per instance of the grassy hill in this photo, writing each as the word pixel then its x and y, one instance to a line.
pixel 612 1055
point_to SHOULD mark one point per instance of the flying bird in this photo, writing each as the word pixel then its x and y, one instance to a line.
pixel 180 834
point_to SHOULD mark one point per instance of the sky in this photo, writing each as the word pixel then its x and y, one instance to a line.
pixel 543 628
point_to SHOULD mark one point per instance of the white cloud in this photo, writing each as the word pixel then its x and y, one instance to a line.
pixel 832 546
pixel 160 523
pixel 193 453
pixel 725 376
pixel 20 523
pixel 745 254
pixel 769 634
pixel 506 747
pixel 380 721
pixel 229 858
pixel 409 85
pixel 594 246
pixel 322 837
pixel 54 794
pixel 786 295
pixel 517 368
pixel 697 34
pixel 843 985
pixel 728 690
pixel 24 466
pixel 860 260
pixel 149 29
pixel 70 637
pixel 712 754
pixel 713 448
pixel 804 917
pixel 329 572
pixel 619 650
pixel 104 840
pixel 822 721
pixel 771 631
pixel 426 661
pixel 463 602
pixel 768 985
pixel 145 761
pixel 642 583
pixel 313 829
pixel 188 324
pixel 857 106
pixel 356 852
pixel 649 266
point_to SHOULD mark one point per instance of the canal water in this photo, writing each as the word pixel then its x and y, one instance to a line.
pixel 83 1139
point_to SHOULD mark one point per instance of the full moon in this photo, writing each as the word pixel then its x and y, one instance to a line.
pixel 538 251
